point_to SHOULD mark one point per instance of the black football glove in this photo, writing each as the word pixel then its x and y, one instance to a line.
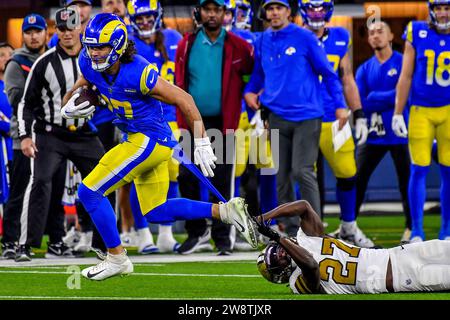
pixel 266 230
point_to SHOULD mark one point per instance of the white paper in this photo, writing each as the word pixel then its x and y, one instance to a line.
pixel 340 137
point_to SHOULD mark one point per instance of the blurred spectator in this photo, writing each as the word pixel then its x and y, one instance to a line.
pixel 52 139
pixel 377 79
pixel 210 65
pixel 288 62
pixel 84 8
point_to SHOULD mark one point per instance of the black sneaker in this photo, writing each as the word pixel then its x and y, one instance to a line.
pixel 58 250
pixel 23 253
pixel 191 244
pixel 224 253
pixel 9 250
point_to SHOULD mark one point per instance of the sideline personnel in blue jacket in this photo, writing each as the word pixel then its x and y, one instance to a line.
pixel 288 63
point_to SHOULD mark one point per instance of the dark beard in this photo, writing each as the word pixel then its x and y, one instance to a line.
pixel 212 29
pixel 37 50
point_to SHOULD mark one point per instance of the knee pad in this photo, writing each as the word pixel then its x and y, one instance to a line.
pixel 346 184
pixel 89 198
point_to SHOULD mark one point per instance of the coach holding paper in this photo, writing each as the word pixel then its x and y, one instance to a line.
pixel 288 63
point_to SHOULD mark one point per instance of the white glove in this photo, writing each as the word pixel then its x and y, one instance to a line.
pixel 204 156
pixel 73 111
pixel 258 124
pixel 361 130
pixel 399 126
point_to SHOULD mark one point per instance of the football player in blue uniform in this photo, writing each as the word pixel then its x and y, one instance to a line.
pixel 425 81
pixel 337 41
pixel 158 47
pixel 133 90
pixel 244 14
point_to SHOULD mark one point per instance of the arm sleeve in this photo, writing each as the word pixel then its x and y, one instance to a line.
pixel 256 82
pixel 320 63
pixel 31 97
pixel 14 84
pixel 385 97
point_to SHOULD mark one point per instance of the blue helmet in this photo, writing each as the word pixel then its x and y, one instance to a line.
pixel 316 13
pixel 105 29
pixel 433 18
pixel 138 8
pixel 230 5
pixel 245 7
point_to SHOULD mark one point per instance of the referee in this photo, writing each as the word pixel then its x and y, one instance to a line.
pixel 47 138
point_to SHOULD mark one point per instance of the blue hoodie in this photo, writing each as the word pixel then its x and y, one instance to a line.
pixel 288 64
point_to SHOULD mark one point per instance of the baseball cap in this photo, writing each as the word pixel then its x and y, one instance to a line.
pixel 88 2
pixel 218 2
pixel 67 18
pixel 35 21
pixel 282 2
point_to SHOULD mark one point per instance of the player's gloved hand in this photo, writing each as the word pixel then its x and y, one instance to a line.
pixel 258 124
pixel 361 129
pixel 266 230
pixel 204 156
pixel 399 126
pixel 71 110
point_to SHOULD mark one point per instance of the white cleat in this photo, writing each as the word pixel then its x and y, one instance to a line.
pixel 84 245
pixel 416 239
pixel 351 233
pixel 129 239
pixel 145 242
pixel 72 237
pixel 235 212
pixel 167 243
pixel 113 265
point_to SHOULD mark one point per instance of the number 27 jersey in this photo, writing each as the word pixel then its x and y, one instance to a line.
pixel 344 268
pixel 431 79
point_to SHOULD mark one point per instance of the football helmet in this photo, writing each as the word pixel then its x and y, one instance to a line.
pixel 433 17
pixel 138 8
pixel 275 264
pixel 105 29
pixel 316 13
pixel 230 5
pixel 244 7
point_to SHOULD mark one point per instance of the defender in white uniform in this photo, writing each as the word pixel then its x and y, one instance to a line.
pixel 314 263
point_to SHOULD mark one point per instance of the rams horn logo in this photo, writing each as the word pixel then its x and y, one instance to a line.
pixel 290 51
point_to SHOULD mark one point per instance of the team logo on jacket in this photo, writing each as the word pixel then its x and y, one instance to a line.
pixel 423 34
pixel 392 72
pixel 290 51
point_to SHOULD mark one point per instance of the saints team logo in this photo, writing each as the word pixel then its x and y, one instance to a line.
pixel 290 51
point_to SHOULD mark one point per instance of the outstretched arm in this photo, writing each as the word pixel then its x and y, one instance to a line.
pixel 310 221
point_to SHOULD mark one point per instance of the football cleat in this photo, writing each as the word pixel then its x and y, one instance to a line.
pixel 58 250
pixel 235 212
pixel 85 242
pixel 113 265
pixel 193 244
pixel 9 250
pixel 167 243
pixel 354 235
pixel 23 253
pixel 72 237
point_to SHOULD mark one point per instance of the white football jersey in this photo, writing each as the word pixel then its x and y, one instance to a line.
pixel 344 268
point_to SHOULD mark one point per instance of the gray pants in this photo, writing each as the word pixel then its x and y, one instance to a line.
pixel 299 147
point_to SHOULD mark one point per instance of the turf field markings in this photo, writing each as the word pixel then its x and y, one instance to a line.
pixel 145 274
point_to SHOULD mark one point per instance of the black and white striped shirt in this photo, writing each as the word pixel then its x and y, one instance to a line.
pixel 52 75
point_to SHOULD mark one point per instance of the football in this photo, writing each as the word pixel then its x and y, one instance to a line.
pixel 87 94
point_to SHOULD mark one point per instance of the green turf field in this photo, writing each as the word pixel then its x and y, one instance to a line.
pixel 191 280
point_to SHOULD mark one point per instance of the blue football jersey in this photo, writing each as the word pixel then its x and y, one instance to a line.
pixel 336 42
pixel 431 80
pixel 127 96
pixel 166 69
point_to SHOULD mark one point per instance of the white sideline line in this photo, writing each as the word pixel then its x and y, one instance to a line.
pixel 152 259
pixel 145 274
pixel 122 298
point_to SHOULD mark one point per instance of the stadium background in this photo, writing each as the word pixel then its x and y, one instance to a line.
pixel 349 14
